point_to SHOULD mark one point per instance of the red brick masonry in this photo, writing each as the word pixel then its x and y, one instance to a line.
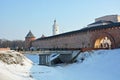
pixel 4 49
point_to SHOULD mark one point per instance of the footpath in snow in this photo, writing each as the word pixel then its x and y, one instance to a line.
pixel 98 65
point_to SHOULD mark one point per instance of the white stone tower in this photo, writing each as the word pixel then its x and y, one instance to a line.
pixel 55 28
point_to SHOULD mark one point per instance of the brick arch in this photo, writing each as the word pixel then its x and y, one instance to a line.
pixel 99 36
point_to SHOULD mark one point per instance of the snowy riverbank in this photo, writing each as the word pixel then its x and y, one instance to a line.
pixel 98 65
pixel 14 66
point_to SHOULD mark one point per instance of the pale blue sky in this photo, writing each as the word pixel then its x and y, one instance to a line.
pixel 17 17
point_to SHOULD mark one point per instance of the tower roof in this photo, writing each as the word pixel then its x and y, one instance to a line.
pixel 30 34
pixel 55 23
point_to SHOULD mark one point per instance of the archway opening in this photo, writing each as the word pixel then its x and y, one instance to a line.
pixel 103 42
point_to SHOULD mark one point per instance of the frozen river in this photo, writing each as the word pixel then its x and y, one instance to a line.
pixel 33 57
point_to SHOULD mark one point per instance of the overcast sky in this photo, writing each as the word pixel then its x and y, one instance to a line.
pixel 17 17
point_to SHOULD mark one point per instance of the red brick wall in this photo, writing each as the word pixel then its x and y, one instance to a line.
pixel 4 49
pixel 28 42
pixel 112 33
pixel 81 39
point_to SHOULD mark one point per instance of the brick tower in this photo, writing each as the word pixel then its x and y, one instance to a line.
pixel 28 39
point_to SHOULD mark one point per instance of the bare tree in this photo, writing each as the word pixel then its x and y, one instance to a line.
pixel 15 44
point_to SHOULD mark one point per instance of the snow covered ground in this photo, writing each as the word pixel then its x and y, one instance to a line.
pixel 98 65
pixel 14 66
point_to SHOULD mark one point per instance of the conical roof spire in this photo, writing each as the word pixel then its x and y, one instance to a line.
pixel 55 21
pixel 30 34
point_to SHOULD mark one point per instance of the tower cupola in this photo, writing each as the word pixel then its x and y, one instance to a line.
pixel 55 28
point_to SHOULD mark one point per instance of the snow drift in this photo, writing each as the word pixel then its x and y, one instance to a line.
pixel 14 66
